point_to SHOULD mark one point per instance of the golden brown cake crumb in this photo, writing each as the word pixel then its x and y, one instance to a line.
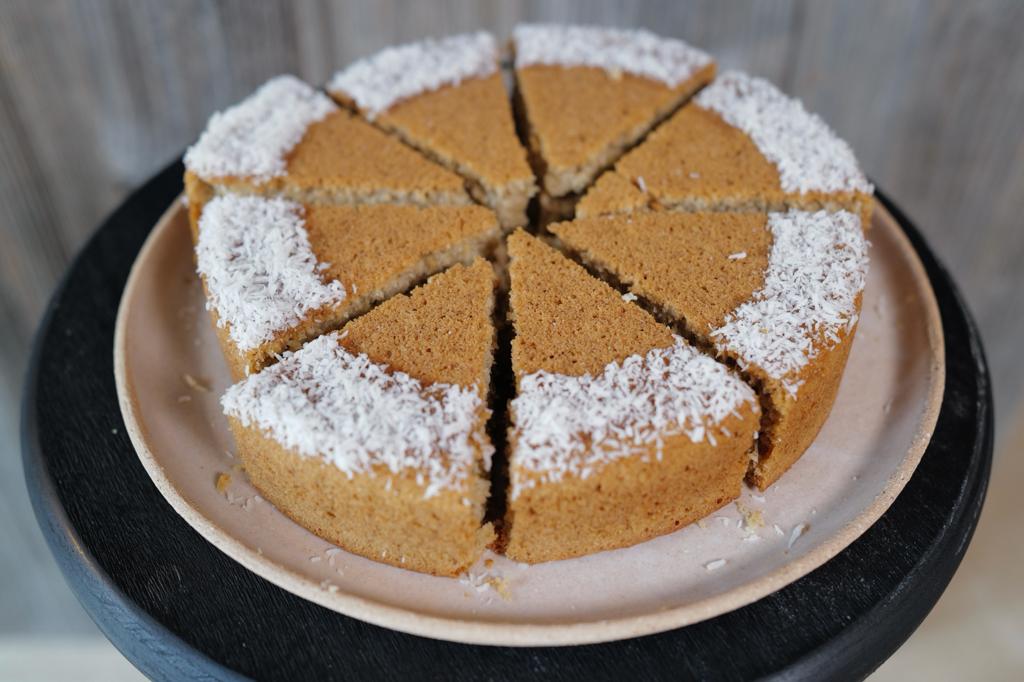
pixel 383 514
pixel 711 271
pixel 365 253
pixel 696 267
pixel 569 324
pixel 566 321
pixel 415 333
pixel 343 160
pixel 741 145
pixel 695 161
pixel 581 119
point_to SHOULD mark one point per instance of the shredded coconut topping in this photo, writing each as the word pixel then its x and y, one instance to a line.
pixel 639 52
pixel 324 401
pixel 808 154
pixel 817 266
pixel 253 138
pixel 569 425
pixel 376 83
pixel 260 271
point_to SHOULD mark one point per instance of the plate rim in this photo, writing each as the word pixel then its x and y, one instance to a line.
pixel 508 633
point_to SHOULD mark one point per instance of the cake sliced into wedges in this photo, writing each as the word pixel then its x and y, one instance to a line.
pixel 741 144
pixel 621 431
pixel 586 94
pixel 278 273
pixel 447 98
pixel 779 294
pixel 288 139
pixel 374 437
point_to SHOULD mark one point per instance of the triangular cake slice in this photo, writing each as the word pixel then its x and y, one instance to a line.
pixel 586 94
pixel 447 98
pixel 621 431
pixel 288 139
pixel 278 273
pixel 374 437
pixel 777 293
pixel 740 145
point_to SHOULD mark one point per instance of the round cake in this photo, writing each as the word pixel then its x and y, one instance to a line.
pixel 549 321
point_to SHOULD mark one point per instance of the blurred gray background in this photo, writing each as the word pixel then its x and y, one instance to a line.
pixel 95 96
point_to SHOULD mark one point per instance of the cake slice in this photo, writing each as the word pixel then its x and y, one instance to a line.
pixel 740 145
pixel 779 294
pixel 374 437
pixel 290 140
pixel 446 98
pixel 621 431
pixel 278 273
pixel 586 94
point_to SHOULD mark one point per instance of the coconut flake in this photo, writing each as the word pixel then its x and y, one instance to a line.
pixel 794 535
pixel 323 401
pixel 638 52
pixel 260 271
pixel 817 267
pixel 810 157
pixel 377 82
pixel 253 138
pixel 567 425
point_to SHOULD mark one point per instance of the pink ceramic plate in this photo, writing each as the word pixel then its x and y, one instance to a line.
pixel 165 353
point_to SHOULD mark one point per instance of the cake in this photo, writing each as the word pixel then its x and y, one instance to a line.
pixel 621 431
pixel 447 98
pixel 290 140
pixel 278 273
pixel 740 144
pixel 383 422
pixel 587 94
pixel 778 294
pixel 680 330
